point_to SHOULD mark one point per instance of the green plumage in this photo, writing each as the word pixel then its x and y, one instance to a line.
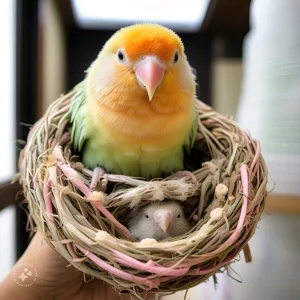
pixel 113 159
pixel 78 118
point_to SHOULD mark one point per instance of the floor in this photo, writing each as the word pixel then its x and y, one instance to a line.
pixel 274 273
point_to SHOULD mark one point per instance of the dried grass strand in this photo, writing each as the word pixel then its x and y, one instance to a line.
pixel 70 206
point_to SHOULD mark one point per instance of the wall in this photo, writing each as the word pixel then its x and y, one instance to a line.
pixel 53 54
pixel 226 84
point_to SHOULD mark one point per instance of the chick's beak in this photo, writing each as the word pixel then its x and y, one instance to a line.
pixel 163 219
pixel 149 72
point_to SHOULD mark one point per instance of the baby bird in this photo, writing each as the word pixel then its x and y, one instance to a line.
pixel 159 221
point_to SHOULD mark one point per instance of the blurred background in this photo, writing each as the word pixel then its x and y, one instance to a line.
pixel 247 57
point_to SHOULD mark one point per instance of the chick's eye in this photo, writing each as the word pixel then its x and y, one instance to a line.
pixel 176 57
pixel 178 216
pixel 121 56
pixel 146 216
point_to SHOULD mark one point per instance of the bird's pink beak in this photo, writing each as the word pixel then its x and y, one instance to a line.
pixel 150 72
pixel 163 219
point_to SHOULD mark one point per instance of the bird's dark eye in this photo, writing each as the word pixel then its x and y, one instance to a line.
pixel 121 56
pixel 176 57
pixel 146 216
pixel 178 216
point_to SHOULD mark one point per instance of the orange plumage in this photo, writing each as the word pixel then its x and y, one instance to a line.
pixel 146 39
pixel 139 112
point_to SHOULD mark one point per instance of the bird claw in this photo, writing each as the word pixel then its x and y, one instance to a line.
pixel 182 174
pixel 104 181
pixel 98 173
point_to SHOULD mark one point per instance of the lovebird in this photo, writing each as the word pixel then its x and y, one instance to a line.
pixel 134 113
pixel 159 221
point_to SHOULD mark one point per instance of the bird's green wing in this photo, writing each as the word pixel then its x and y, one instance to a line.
pixel 77 117
pixel 189 142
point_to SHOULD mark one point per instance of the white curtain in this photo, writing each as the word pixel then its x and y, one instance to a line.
pixel 270 100
pixel 7 130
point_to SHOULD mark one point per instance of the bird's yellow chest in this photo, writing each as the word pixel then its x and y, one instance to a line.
pixel 150 133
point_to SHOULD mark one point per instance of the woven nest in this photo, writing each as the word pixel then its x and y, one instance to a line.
pixel 80 219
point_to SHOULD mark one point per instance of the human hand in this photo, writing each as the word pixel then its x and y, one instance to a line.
pixel 54 279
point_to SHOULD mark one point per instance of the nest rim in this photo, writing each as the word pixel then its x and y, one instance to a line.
pixel 47 172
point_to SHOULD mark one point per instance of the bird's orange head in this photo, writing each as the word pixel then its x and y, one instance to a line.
pixel 143 62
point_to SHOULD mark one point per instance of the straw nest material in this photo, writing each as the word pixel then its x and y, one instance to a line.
pixel 80 218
